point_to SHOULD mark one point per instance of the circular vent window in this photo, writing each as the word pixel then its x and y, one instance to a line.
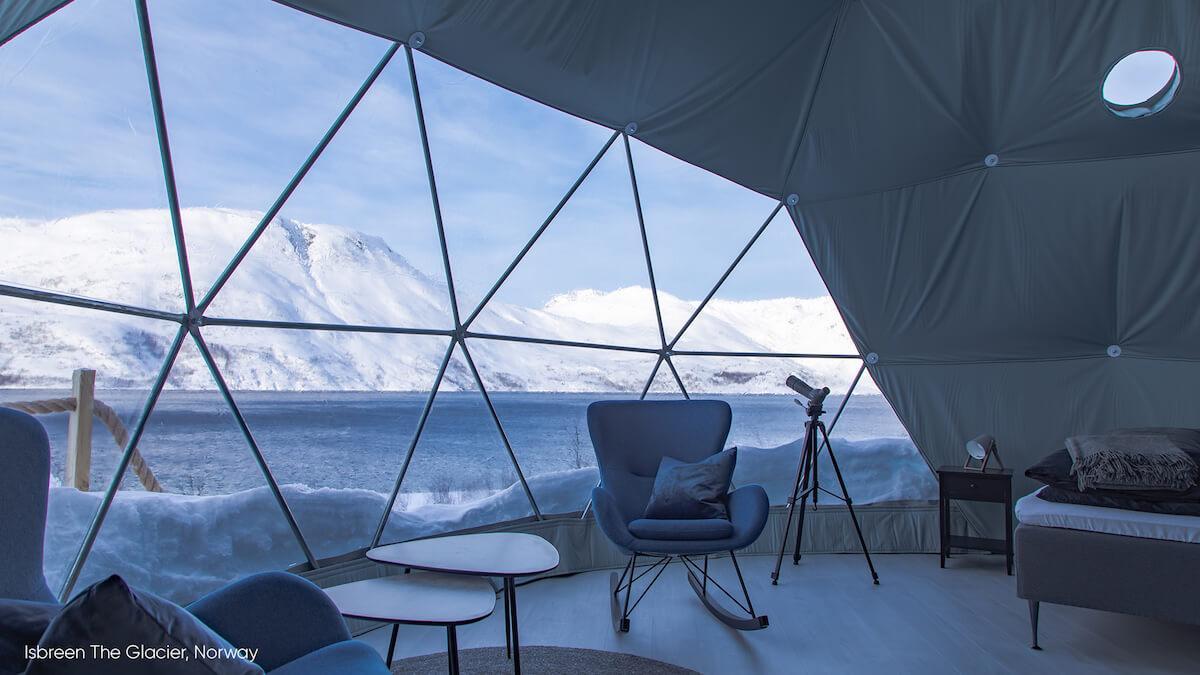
pixel 1141 84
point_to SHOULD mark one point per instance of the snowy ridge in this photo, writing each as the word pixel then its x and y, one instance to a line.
pixel 322 273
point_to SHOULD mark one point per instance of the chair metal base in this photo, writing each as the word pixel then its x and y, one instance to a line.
pixel 698 578
pixel 620 621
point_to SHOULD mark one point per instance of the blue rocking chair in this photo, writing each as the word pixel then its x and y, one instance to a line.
pixel 630 439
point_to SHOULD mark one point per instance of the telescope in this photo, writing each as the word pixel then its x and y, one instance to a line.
pixel 808 484
pixel 815 397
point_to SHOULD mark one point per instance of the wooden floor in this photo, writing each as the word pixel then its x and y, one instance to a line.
pixel 826 617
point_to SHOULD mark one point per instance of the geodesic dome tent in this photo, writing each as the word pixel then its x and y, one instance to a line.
pixel 1004 244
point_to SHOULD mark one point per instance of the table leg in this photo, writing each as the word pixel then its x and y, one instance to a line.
pixel 507 626
pixel 1008 531
pixel 452 649
pixel 510 593
pixel 943 528
pixel 392 645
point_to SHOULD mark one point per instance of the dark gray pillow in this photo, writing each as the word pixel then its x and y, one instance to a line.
pixel 22 623
pixel 695 490
pixel 111 614
pixel 1055 470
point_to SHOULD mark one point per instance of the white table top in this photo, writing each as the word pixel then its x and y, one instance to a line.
pixel 492 554
pixel 421 598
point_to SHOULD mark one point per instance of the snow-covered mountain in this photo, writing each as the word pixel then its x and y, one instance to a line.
pixel 327 274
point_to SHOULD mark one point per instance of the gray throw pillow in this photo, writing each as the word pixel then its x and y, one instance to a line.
pixel 685 490
pixel 111 628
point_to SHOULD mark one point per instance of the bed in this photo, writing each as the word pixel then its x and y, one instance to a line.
pixel 1108 559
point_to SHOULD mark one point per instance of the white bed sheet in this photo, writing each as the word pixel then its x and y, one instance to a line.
pixel 1033 510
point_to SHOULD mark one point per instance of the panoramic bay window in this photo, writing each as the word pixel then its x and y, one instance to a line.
pixel 386 299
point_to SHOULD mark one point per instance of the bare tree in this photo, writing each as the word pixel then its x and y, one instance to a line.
pixel 579 458
pixel 441 489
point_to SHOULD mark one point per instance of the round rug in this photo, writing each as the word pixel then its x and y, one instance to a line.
pixel 540 661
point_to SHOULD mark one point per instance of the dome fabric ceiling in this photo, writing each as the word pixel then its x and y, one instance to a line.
pixel 990 289
pixel 17 15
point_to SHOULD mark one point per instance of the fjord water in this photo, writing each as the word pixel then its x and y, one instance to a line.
pixel 358 439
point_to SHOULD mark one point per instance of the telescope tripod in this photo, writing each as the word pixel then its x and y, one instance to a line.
pixel 808 484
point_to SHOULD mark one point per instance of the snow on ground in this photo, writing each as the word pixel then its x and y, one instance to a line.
pixel 876 470
pixel 182 546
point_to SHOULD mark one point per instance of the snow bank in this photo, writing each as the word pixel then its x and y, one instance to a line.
pixel 182 546
pixel 876 470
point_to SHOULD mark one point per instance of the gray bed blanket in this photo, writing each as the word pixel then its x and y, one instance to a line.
pixel 1131 460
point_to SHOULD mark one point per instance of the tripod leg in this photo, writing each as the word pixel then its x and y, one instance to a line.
pixel 808 487
pixel 800 474
pixel 799 531
pixel 850 506
pixel 816 475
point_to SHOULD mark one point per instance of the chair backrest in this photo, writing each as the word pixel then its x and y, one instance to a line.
pixel 631 438
pixel 24 488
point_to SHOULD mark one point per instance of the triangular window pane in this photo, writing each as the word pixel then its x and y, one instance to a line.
pixel 460 475
pixel 356 242
pixel 249 87
pixel 696 222
pixel 335 442
pixel 41 346
pixel 585 279
pixel 215 519
pixel 502 162
pixel 82 202
pixel 542 394
pixel 774 301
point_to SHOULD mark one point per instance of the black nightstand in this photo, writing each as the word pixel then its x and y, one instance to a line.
pixel 993 485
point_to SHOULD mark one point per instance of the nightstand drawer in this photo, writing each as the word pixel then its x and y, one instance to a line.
pixel 982 487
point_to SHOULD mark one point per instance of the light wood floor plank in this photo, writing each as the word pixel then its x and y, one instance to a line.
pixel 827 617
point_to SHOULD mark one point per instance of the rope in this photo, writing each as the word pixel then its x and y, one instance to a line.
pixel 103 412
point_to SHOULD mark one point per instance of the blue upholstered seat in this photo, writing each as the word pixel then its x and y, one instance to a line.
pixel 748 508
pixel 671 528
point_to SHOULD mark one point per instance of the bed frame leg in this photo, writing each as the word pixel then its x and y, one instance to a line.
pixel 1033 623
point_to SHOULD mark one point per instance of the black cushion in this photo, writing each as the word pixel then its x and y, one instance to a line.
pixel 22 623
pixel 1055 470
pixel 685 490
pixel 1117 500
pixel 111 614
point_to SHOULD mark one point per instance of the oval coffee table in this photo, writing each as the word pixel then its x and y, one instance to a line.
pixel 419 599
pixel 491 554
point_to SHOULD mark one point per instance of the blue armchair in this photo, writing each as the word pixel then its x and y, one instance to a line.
pixel 630 439
pixel 24 488
pixel 293 624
